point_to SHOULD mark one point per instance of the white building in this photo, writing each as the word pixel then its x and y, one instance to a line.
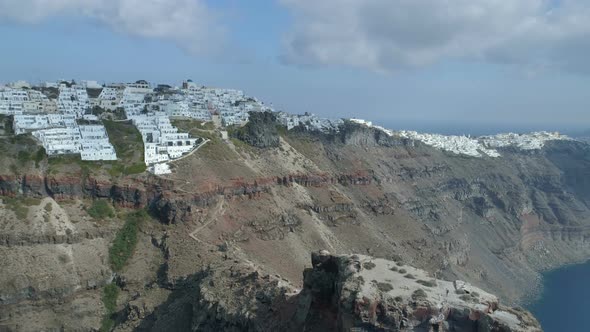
pixel 110 98
pixel 60 134
pixel 73 100
pixel 94 143
pixel 59 140
pixel 531 141
pixel 133 102
pixel 12 100
pixel 161 139
pixel 29 122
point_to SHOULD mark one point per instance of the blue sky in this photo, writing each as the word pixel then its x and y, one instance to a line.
pixel 478 64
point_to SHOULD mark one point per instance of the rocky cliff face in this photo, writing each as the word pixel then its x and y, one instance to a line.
pixel 351 292
pixel 493 222
pixel 340 293
pixel 260 131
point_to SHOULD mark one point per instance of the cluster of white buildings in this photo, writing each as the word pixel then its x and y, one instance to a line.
pixel 456 144
pixel 55 122
pixel 475 147
pixel 532 141
pixel 232 106
pixel 61 134
pixel 162 141
pixel 73 100
pixel 24 101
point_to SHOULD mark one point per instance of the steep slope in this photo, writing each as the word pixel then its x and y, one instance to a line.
pixel 494 222
pixel 341 293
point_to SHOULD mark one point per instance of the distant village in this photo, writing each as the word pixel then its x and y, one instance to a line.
pixel 66 118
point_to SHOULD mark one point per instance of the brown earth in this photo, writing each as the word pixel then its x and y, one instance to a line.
pixel 492 222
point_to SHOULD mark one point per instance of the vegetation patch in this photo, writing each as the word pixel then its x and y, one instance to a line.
pixel 402 271
pixel 409 276
pixel 419 294
pixel 384 287
pixel 128 144
pixel 19 150
pixel 48 207
pixel 125 240
pixel 40 155
pixel 30 201
pixel 17 206
pixel 109 299
pixel 427 283
pixel 101 209
pixel 369 265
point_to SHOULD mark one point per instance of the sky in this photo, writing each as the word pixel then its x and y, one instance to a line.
pixel 476 66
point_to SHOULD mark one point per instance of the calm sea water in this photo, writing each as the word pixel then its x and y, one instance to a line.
pixel 565 302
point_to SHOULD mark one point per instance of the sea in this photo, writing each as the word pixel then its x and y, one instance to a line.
pixel 565 300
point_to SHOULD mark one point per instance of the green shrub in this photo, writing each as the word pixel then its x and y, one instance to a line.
pixel 109 299
pixel 369 265
pixel 427 283
pixel 23 157
pixel 410 276
pixel 125 240
pixel 39 156
pixel 135 169
pixel 384 287
pixel 419 294
pixel 48 207
pixel 100 209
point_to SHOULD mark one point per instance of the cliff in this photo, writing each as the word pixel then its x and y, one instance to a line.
pixel 351 292
pixel 340 293
pixel 493 222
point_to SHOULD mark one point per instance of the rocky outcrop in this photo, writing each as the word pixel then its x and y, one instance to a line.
pixel 351 133
pixel 340 293
pixel 260 131
pixel 228 296
pixel 349 292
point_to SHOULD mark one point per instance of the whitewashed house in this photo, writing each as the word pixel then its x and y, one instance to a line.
pixel 94 143
pixel 162 141
pixel 73 100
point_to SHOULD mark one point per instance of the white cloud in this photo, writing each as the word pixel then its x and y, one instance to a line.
pixel 189 23
pixel 383 35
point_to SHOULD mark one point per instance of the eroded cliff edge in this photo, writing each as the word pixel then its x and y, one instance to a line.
pixel 494 222
pixel 340 293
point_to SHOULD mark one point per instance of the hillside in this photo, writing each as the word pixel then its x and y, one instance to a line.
pixel 233 212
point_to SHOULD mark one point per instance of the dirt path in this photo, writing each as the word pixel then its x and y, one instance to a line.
pixel 212 217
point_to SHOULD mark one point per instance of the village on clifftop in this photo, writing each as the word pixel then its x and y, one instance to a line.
pixel 66 117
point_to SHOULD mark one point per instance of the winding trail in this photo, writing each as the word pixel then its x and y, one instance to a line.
pixel 213 215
